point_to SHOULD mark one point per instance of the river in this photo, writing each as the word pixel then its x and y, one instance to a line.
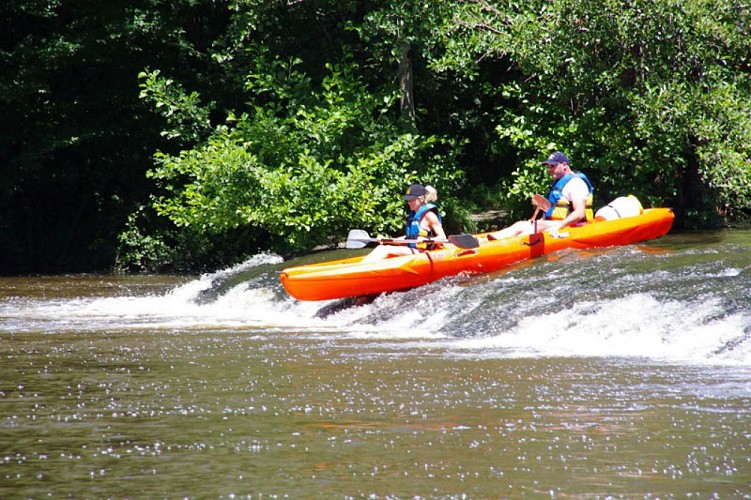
pixel 612 373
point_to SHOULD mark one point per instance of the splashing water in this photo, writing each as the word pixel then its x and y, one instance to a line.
pixel 674 300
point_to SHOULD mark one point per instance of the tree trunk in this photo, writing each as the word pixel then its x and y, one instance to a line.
pixel 405 82
pixel 692 199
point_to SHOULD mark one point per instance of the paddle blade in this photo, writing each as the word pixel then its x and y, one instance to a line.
pixel 464 240
pixel 541 202
pixel 357 238
pixel 355 244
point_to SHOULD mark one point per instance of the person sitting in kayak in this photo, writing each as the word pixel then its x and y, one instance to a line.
pixel 423 221
pixel 570 201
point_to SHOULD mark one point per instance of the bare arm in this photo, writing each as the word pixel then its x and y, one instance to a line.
pixel 576 215
pixel 432 223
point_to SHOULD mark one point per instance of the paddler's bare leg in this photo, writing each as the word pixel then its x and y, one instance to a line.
pixel 385 251
pixel 521 228
pixel 516 229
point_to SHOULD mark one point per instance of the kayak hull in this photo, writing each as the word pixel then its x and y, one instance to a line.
pixel 351 277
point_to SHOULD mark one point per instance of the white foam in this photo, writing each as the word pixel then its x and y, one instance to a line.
pixel 636 326
pixel 642 324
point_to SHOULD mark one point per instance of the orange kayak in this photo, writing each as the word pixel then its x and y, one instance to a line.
pixel 351 277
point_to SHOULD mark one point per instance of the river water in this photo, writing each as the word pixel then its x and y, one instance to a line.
pixel 615 373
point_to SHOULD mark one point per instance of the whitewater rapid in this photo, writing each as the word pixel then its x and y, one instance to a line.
pixel 673 301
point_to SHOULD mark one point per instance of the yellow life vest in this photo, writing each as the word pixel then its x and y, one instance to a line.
pixel 561 207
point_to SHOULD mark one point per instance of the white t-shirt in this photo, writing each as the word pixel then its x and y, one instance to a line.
pixel 574 189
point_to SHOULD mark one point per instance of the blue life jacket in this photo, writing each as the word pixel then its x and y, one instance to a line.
pixel 413 229
pixel 560 206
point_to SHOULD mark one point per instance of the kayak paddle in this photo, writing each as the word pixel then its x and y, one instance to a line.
pixel 540 203
pixel 358 238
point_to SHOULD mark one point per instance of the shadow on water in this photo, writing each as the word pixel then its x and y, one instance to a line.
pixel 258 276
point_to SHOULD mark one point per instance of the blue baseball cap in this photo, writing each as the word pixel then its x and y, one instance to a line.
pixel 414 191
pixel 556 158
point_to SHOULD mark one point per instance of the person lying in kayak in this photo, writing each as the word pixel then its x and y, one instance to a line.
pixel 569 202
pixel 423 221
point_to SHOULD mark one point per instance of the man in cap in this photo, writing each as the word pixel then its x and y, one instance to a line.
pixel 569 201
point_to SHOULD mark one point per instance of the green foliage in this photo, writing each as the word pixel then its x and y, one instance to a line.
pixel 649 97
pixel 187 118
pixel 306 165
pixel 394 22
pixel 140 252
pixel 167 248
pixel 281 127
pixel 75 140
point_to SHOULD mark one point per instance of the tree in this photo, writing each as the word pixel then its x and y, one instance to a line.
pixel 316 101
pixel 75 140
pixel 650 92
pixel 312 153
pixel 303 167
